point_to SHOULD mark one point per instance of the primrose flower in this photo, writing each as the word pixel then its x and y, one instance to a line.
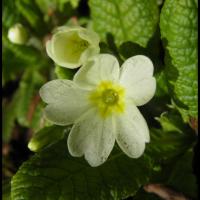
pixel 71 46
pixel 101 103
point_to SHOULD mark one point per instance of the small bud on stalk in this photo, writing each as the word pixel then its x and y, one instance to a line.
pixel 18 34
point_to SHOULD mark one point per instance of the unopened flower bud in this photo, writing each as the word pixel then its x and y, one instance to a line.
pixel 18 34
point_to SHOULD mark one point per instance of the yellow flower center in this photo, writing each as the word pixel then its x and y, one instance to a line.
pixel 108 98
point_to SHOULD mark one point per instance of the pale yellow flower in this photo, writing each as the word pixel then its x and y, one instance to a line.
pixel 70 47
pixel 101 103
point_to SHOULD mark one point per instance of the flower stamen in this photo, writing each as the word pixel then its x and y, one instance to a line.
pixel 108 98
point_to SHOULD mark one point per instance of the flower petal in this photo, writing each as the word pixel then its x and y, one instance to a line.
pixel 89 36
pixel 132 132
pixel 136 69
pixel 101 67
pixel 63 49
pixel 93 137
pixel 67 29
pixel 67 49
pixel 137 78
pixel 61 59
pixel 93 48
pixel 49 48
pixel 143 91
pixel 89 53
pixel 66 101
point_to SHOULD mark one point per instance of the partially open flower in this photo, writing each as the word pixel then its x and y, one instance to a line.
pixel 72 46
pixel 18 34
pixel 101 103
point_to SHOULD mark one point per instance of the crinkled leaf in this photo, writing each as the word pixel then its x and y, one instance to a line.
pixel 46 136
pixel 54 174
pixel 128 49
pixel 182 177
pixel 127 20
pixel 167 145
pixel 153 50
pixel 161 83
pixel 178 25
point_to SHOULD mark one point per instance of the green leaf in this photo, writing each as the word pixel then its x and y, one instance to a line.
pixel 178 25
pixel 74 3
pixel 6 187
pixel 29 10
pixel 46 136
pixel 56 12
pixel 25 106
pixel 127 20
pixel 9 116
pixel 46 5
pixel 64 73
pixel 128 49
pixel 182 177
pixel 173 139
pixel 153 50
pixel 10 16
pixel 12 68
pixel 161 83
pixel 27 55
pixel 111 45
pixel 54 174
pixel 37 118
pixel 167 145
pixel 172 121
pixel 28 89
